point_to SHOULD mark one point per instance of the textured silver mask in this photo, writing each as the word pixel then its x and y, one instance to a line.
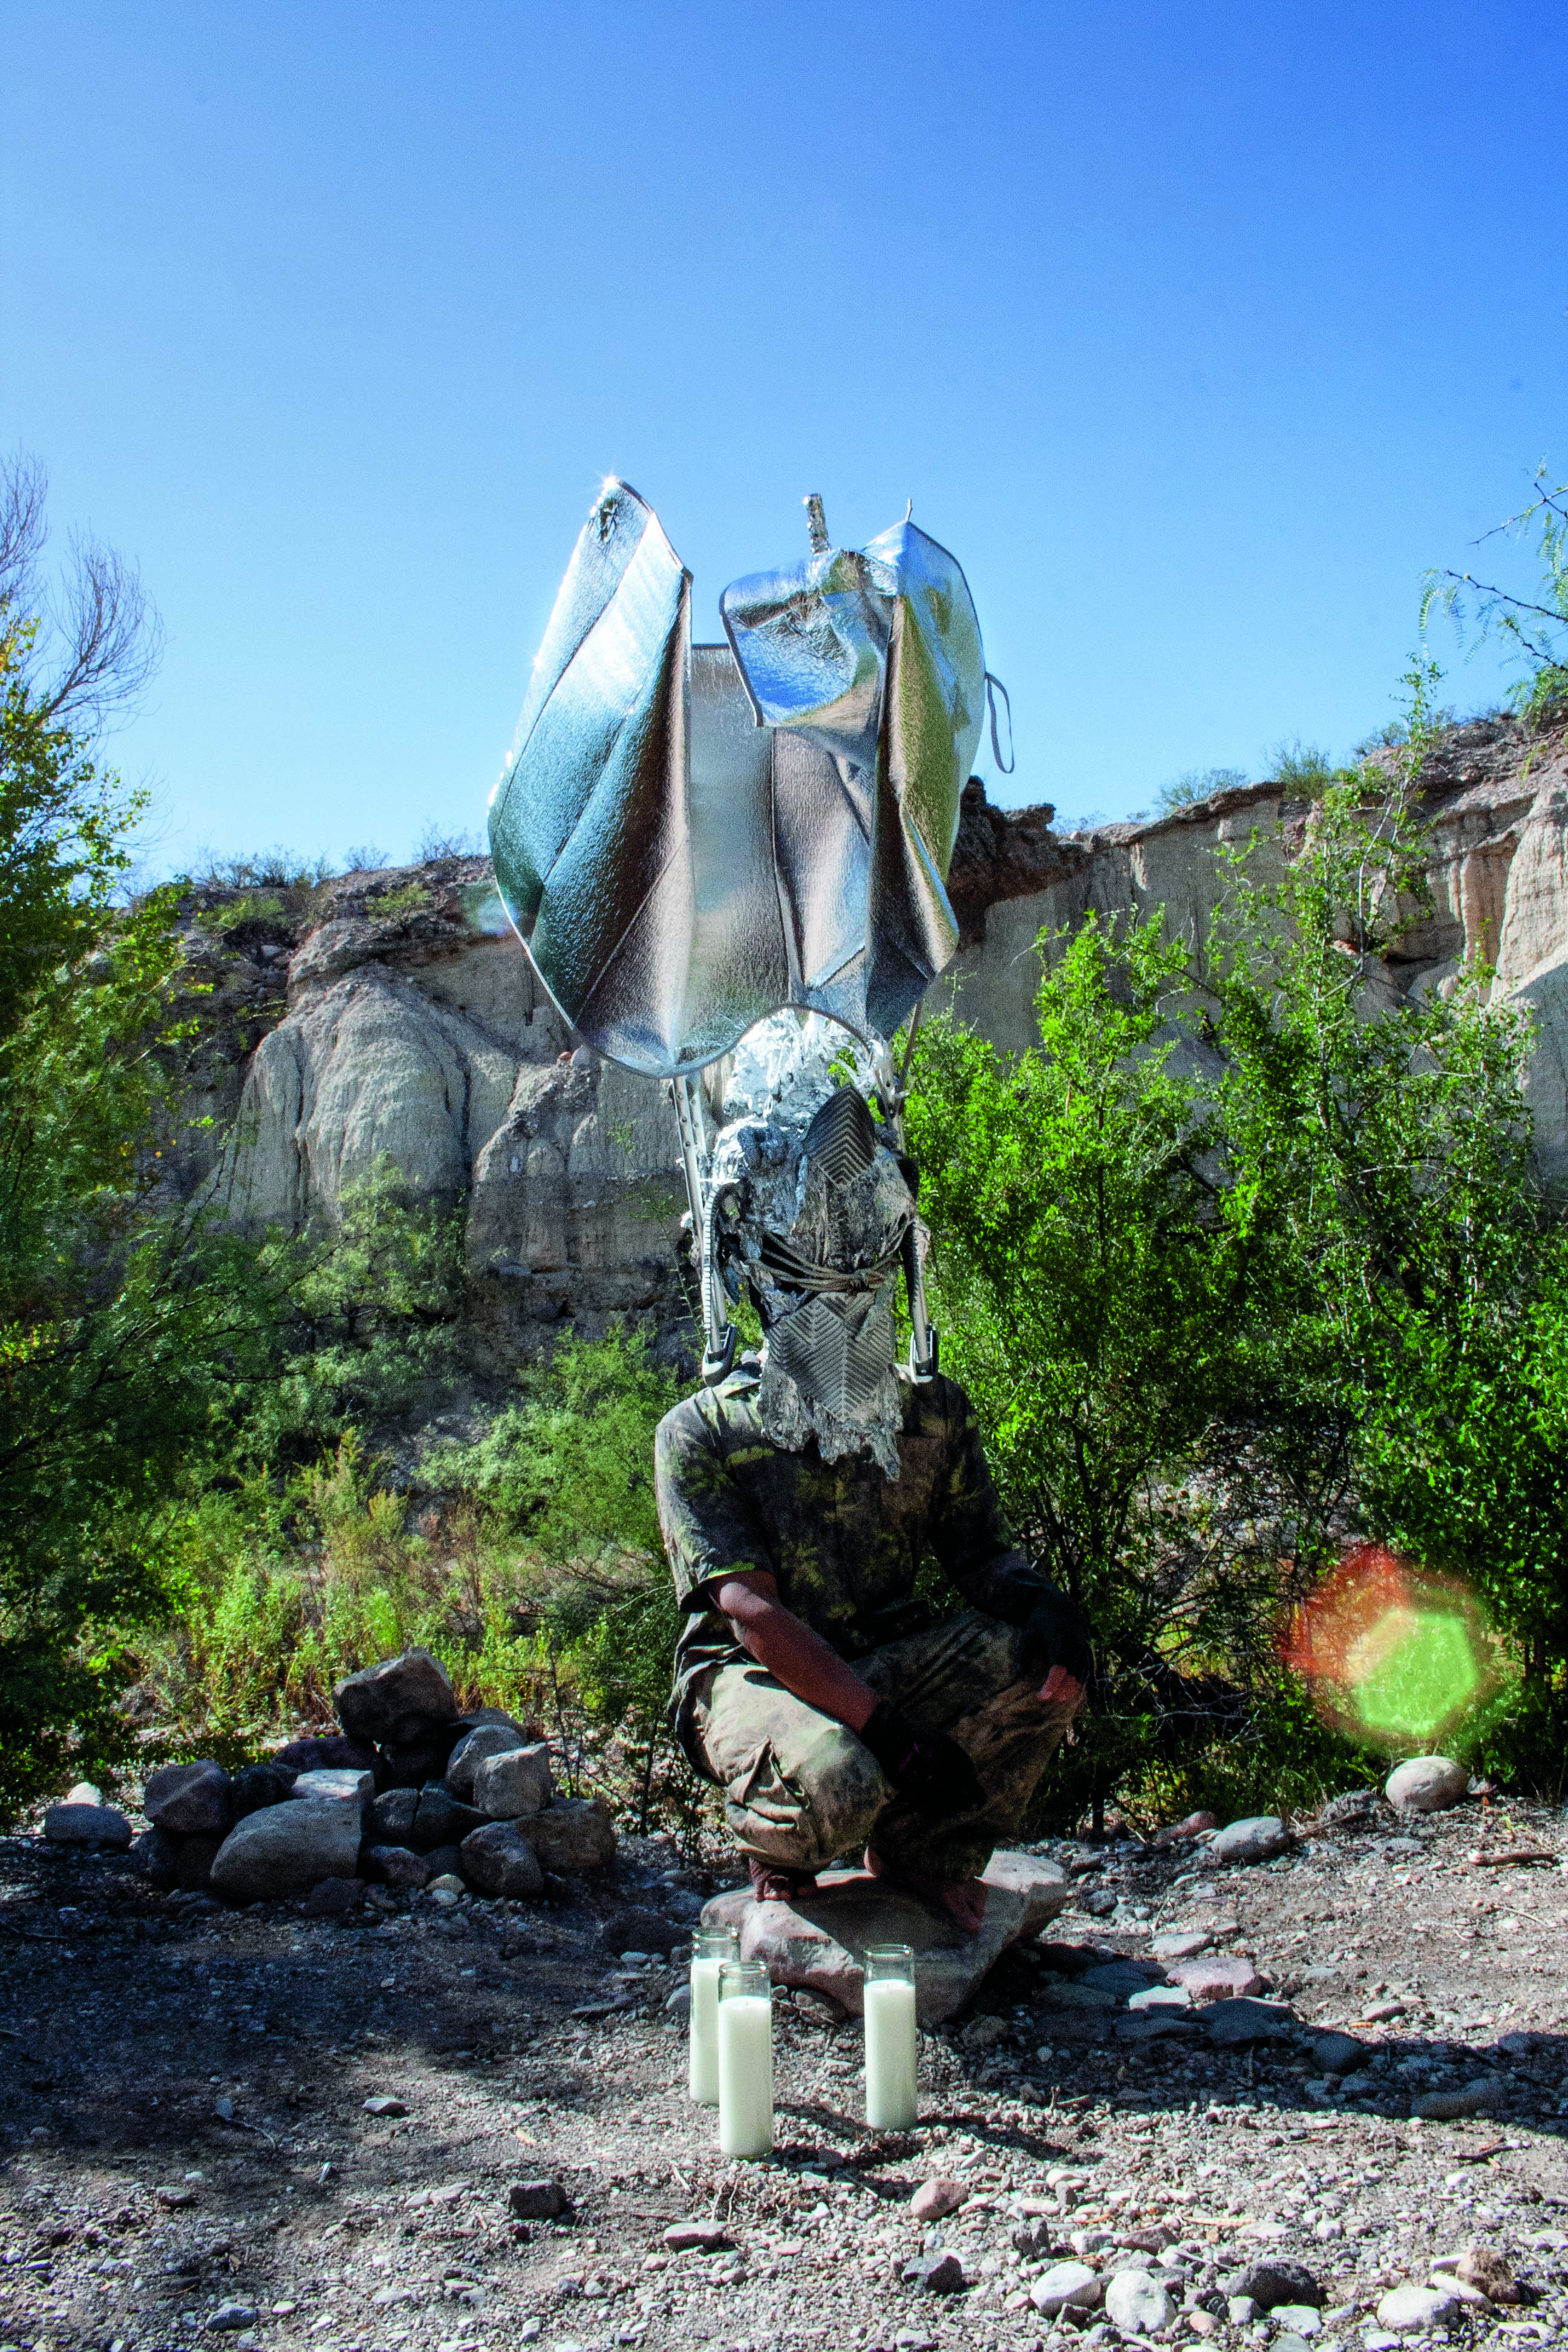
pixel 816 1217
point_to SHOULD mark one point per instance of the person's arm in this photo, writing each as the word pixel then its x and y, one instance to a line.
pixel 926 1766
pixel 791 1652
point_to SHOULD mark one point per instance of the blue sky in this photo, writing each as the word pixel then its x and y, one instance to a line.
pixel 1197 331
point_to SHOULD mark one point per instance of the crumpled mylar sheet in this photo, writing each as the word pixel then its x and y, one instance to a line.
pixel 689 837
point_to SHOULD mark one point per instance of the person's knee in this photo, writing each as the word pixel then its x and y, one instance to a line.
pixel 805 1802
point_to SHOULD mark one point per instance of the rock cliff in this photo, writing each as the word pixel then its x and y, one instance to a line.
pixel 394 1014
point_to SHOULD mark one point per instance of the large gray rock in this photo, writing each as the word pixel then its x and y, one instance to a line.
pixel 397 1702
pixel 285 1851
pixel 498 1860
pixel 1273 2279
pixel 256 1785
pixel 86 1825
pixel 1412 2309
pixel 1426 1784
pixel 513 1782
pixel 440 1820
pixel 186 1798
pixel 389 1820
pixel 575 1833
pixel 1259 1838
pixel 1137 2303
pixel 1232 2024
pixel 819 1940
pixel 475 1748
pixel 395 1865
pixel 342 1786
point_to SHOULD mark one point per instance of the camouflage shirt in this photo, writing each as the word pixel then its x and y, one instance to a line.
pixel 843 1543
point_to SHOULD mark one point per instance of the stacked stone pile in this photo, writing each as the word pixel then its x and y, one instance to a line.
pixel 416 1793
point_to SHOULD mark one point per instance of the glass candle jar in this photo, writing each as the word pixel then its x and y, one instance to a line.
pixel 889 1998
pixel 710 1947
pixel 745 2059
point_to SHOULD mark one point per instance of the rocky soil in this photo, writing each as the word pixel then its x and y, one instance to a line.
pixel 189 2151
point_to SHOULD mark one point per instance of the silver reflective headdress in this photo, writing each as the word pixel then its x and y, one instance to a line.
pixel 690 839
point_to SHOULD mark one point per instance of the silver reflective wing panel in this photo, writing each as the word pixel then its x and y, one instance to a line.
pixel 679 870
pixel 588 824
pixel 875 657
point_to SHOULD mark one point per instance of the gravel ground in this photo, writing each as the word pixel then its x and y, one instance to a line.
pixel 186 2125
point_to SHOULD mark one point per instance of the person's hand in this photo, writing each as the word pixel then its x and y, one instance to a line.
pixel 1060 1689
pixel 927 1767
pixel 1056 1640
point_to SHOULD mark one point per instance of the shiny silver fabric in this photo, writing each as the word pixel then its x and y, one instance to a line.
pixel 677 870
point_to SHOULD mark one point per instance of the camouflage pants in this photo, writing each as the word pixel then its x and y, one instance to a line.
pixel 800 1789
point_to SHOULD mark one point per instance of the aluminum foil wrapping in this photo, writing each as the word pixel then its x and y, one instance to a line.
pixel 687 838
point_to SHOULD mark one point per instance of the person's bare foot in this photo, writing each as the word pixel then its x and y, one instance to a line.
pixel 773 1882
pixel 964 1899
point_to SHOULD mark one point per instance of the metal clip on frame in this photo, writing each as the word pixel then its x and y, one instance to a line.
pixel 718 1331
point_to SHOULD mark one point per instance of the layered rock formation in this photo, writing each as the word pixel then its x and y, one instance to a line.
pixel 412 1028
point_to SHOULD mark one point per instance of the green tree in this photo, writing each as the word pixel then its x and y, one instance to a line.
pixel 1532 630
pixel 1093 1281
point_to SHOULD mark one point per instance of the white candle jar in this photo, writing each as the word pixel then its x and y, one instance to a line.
pixel 892 2098
pixel 745 2059
pixel 710 1947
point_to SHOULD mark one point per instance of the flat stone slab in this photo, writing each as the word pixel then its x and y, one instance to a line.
pixel 819 1940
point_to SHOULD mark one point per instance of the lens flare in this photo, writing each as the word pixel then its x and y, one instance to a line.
pixel 1392 1654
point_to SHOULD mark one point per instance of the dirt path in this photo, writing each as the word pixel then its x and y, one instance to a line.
pixel 132 2211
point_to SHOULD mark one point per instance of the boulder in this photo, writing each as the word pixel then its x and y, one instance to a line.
pixel 1410 2309
pixel 1480 2098
pixel 158 1854
pixel 498 1860
pixel 393 1866
pixel 1338 2053
pixel 285 1850
pixel 1044 1886
pixel 1137 2303
pixel 574 1833
pixel 1181 1944
pixel 389 1820
pixel 444 1861
pixel 194 1860
pixel 333 1755
pixel 936 2197
pixel 1064 2284
pixel 1212 1977
pixel 475 1748
pixel 85 1792
pixel 331 1898
pixel 1426 1784
pixel 819 1940
pixel 186 1798
pixel 1273 2278
pixel 1121 1978
pixel 935 2274
pixel 1259 1838
pixel 1232 2024
pixel 256 1785
pixel 398 1702
pixel 440 1820
pixel 86 1825
pixel 512 1781
pixel 537 2200
pixel 336 1785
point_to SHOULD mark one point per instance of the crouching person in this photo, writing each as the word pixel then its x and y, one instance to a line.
pixel 799 1501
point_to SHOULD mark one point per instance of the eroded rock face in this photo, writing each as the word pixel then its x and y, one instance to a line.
pixel 412 1025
